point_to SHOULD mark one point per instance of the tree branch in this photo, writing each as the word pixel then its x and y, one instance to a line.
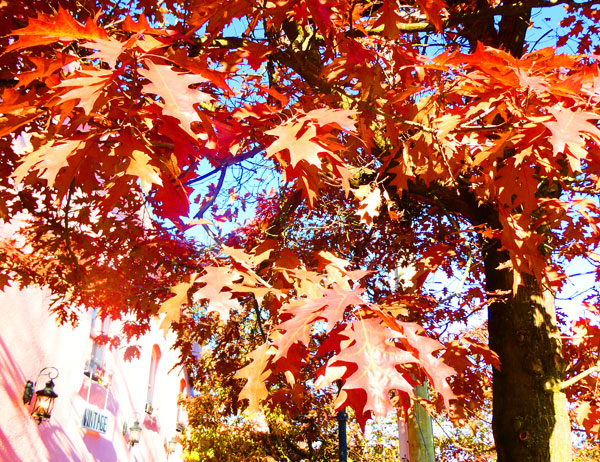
pixel 259 319
pixel 286 210
pixel 468 16
pixel 213 197
pixel 78 268
pixel 573 380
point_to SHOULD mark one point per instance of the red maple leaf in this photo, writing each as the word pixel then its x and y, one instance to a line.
pixel 331 307
pixel 376 359
pixel 568 131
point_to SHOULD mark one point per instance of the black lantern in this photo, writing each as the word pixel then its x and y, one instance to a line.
pixel 134 431
pixel 43 403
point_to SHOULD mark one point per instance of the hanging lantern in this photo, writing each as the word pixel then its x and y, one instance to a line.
pixel 44 402
pixel 133 432
pixel 43 399
pixel 170 445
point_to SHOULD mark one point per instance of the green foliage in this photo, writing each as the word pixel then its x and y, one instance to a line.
pixel 215 435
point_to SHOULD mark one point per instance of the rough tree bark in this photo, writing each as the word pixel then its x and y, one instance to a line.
pixel 530 420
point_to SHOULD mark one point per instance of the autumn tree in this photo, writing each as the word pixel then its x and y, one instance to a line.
pixel 301 428
pixel 424 136
pixel 215 433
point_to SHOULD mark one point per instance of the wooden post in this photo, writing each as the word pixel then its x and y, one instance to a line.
pixel 420 430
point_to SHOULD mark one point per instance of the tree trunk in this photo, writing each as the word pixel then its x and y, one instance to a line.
pixel 530 420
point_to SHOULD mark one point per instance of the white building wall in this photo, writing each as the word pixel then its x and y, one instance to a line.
pixel 31 340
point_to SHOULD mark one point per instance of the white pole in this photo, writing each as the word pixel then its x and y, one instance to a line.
pixel 403 445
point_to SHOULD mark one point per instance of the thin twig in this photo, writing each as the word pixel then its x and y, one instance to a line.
pixel 212 198
pixel 479 128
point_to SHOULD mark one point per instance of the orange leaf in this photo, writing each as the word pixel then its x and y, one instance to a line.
pixel 433 10
pixel 108 50
pixel 86 87
pixel 301 148
pixel 255 390
pixel 48 160
pixel 172 307
pixel 370 201
pixel 376 359
pixel 223 303
pixel 568 131
pixel 139 167
pixel 49 29
pixel 174 89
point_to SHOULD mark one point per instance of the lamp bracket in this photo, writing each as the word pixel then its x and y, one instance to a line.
pixel 50 371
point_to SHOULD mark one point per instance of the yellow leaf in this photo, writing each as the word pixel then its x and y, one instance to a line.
pixel 370 201
pixel 172 307
pixel 255 389
pixel 48 160
pixel 582 411
pixel 139 166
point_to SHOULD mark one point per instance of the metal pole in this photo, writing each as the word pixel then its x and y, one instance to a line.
pixel 342 417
